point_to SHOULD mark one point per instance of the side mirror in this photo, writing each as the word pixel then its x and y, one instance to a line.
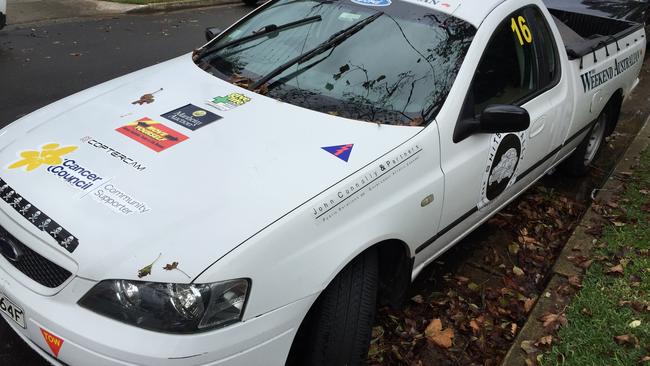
pixel 495 118
pixel 211 32
pixel 498 118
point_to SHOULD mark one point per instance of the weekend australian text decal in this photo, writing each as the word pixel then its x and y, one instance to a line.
pixel 593 79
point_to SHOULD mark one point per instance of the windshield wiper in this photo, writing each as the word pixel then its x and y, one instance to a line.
pixel 333 41
pixel 271 28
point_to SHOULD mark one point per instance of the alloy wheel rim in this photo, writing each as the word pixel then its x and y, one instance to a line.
pixel 595 139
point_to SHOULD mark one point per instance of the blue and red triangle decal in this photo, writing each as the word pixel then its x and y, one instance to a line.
pixel 340 151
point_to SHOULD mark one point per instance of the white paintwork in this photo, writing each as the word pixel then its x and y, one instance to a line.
pixel 472 12
pixel 243 197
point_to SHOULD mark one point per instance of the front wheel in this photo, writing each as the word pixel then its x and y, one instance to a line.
pixel 337 330
pixel 578 163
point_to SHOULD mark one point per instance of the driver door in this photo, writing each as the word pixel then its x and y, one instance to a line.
pixel 518 66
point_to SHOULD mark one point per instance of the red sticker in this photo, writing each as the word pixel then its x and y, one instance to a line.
pixel 53 341
pixel 152 134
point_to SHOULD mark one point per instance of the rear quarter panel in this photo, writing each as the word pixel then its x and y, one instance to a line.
pixel 602 73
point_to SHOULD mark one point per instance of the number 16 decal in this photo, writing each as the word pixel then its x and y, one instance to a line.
pixel 521 28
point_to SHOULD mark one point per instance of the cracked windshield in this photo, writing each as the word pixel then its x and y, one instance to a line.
pixel 384 65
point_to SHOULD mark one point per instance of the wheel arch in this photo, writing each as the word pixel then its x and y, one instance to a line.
pixel 614 105
pixel 395 266
pixel 395 269
pixel 395 262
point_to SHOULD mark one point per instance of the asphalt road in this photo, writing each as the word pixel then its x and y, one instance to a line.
pixel 42 63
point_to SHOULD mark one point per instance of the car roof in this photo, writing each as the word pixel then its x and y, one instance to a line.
pixel 472 11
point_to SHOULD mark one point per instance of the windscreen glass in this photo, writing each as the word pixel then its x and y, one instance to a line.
pixel 392 64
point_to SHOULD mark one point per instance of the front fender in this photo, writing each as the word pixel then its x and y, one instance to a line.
pixel 302 252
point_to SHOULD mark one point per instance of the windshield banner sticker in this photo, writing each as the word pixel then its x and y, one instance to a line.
pixel 340 151
pixel 38 218
pixel 230 101
pixel 593 79
pixel 372 2
pixel 506 152
pixel 366 182
pixel 152 134
pixel 191 116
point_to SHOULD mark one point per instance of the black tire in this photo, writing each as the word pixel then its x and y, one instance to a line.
pixel 577 164
pixel 337 330
pixel 250 2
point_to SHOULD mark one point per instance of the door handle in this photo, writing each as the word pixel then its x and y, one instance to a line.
pixel 537 127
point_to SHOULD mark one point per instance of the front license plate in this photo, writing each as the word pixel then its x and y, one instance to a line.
pixel 12 310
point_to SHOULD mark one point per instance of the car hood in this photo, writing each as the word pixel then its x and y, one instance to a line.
pixel 126 187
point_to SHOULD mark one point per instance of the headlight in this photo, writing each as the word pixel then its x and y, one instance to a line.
pixel 168 307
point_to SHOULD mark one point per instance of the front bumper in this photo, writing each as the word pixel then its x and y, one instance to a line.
pixel 91 339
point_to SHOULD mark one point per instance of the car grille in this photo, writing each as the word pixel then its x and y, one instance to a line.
pixel 34 265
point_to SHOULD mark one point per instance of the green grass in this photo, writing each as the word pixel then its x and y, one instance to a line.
pixel 596 315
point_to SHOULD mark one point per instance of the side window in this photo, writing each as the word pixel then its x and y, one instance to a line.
pixel 549 56
pixel 507 72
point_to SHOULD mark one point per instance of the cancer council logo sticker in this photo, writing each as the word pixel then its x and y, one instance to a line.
pixel 50 154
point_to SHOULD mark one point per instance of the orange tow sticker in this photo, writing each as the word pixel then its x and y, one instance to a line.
pixel 53 341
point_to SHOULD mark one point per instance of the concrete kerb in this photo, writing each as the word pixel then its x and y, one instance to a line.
pixel 580 243
pixel 177 5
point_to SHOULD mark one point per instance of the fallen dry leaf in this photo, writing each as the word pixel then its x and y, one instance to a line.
pixel 517 271
pixel 528 347
pixel 544 341
pixel 437 335
pixel 513 248
pixel 528 305
pixel 418 121
pixel 617 269
pixel 474 325
pixel 170 266
pixel 146 270
pixel 586 264
pixel 418 299
pixel 635 324
pixel 553 321
pixel 626 339
pixel 462 279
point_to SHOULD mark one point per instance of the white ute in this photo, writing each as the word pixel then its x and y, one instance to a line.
pixel 250 203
